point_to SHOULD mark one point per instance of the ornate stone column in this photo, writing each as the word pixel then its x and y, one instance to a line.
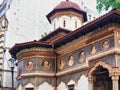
pixel 91 83
pixel 115 79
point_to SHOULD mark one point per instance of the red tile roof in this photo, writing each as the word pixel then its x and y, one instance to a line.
pixel 67 4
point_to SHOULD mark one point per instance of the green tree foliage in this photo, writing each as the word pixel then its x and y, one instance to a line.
pixel 44 34
pixel 107 4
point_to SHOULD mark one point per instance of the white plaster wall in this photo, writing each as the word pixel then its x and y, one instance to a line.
pixel 75 19
pixel 82 83
pixel 62 86
pixel 70 22
pixel 19 87
pixel 45 86
pixel 29 85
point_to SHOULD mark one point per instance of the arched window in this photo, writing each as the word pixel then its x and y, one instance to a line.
pixel 75 24
pixel 54 25
pixel 64 23
pixel 89 17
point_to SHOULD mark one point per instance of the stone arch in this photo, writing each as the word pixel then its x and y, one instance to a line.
pixel 100 63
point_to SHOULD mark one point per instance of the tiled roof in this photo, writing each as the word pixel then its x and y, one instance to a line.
pixel 18 47
pixel 67 4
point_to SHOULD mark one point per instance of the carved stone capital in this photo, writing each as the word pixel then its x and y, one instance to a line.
pixel 115 78
pixel 115 72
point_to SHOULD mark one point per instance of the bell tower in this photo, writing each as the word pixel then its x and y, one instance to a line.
pixel 67 15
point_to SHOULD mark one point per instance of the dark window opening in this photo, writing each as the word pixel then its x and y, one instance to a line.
pixel 29 89
pixel 71 87
pixel 64 23
pixel 75 24
pixel 89 17
pixel 54 25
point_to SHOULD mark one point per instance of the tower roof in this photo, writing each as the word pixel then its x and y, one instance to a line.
pixel 67 4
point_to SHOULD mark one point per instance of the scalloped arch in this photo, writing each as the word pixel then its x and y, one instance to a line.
pixel 100 63
pixel 29 82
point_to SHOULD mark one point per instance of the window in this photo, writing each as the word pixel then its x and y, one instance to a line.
pixel 54 25
pixel 75 24
pixel 29 89
pixel 71 87
pixel 64 23
pixel 89 17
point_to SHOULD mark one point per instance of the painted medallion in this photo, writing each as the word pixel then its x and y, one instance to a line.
pixel 81 57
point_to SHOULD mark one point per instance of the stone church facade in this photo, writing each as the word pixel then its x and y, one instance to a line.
pixel 75 56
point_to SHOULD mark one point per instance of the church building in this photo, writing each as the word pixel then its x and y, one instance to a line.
pixel 76 55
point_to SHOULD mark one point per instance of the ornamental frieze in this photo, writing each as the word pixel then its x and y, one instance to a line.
pixel 80 58
pixel 88 39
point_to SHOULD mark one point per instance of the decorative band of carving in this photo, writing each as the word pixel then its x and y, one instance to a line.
pixel 115 72
pixel 100 63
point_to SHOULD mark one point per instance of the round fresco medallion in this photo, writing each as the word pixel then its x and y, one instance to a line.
pixel 29 65
pixel 105 45
pixel 81 57
pixel 61 64
pixel 71 61
pixel 46 65
pixel 93 49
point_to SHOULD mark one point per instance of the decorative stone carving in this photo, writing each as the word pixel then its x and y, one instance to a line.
pixel 100 63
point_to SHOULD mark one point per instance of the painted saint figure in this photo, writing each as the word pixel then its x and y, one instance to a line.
pixel 29 65
pixel 71 61
pixel 46 65
pixel 93 49
pixel 105 45
pixel 61 64
pixel 81 57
